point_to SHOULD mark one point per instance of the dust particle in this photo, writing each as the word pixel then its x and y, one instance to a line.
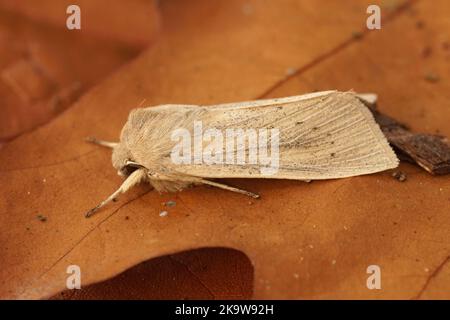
pixel 290 71
pixel 333 262
pixel 427 51
pixel 399 175
pixel 357 35
pixel 163 213
pixel 432 77
pixel 296 275
pixel 41 218
pixel 170 203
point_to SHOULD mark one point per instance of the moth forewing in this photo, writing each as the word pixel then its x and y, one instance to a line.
pixel 329 135
pixel 323 135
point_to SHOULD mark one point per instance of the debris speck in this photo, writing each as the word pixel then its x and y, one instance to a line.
pixel 170 203
pixel 333 262
pixel 432 77
pixel 296 275
pixel 28 193
pixel 426 270
pixel 302 258
pixel 420 24
pixel 314 226
pixel 44 180
pixel 250 202
pixel 127 218
pixel 41 218
pixel 163 213
pixel 291 71
pixel 345 228
pixel 446 45
pixel 427 51
pixel 357 35
pixel 311 246
pixel 399 175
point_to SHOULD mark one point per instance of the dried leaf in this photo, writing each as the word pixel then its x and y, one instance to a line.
pixel 304 240
pixel 45 67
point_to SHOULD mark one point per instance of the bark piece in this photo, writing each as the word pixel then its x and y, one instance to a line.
pixel 431 152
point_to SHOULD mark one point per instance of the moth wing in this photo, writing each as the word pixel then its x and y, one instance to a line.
pixel 321 136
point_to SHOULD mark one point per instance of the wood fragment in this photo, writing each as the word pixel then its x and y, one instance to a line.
pixel 431 152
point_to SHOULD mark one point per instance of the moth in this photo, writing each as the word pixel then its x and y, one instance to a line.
pixel 322 135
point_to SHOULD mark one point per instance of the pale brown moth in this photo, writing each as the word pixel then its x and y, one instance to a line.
pixel 323 135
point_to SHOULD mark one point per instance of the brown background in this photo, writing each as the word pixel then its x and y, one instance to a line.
pixel 300 240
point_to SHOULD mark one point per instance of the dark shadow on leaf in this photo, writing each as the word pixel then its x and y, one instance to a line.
pixel 206 273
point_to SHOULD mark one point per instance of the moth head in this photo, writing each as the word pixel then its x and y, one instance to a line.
pixel 122 160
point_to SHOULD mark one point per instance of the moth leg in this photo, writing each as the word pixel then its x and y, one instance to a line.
pixel 133 179
pixel 226 187
pixel 101 142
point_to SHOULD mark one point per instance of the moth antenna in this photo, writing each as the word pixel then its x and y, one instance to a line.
pixel 133 179
pixel 226 187
pixel 101 142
